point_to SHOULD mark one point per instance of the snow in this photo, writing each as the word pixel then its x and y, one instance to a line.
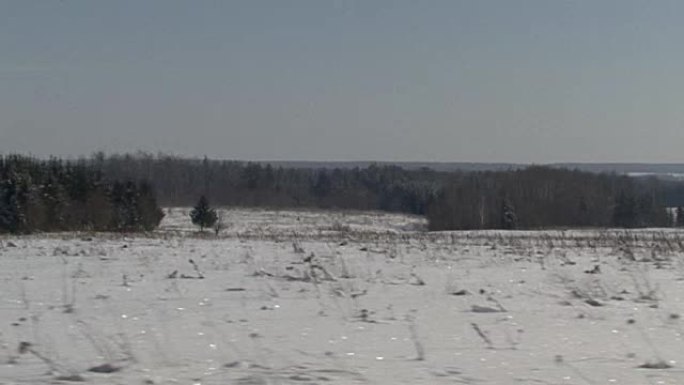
pixel 315 297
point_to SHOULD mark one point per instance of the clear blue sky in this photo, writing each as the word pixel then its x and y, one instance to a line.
pixel 434 80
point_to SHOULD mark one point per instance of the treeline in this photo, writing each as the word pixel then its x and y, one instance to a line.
pixel 98 193
pixel 57 195
pixel 536 197
pixel 179 182
pixel 541 197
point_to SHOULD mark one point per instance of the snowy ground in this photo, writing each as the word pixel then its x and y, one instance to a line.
pixel 342 298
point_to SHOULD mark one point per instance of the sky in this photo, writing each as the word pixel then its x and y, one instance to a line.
pixel 524 81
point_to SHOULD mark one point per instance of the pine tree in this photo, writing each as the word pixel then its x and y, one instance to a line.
pixel 202 215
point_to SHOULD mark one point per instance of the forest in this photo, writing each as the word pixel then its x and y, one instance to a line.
pixel 542 198
pixel 122 193
pixel 533 197
pixel 58 195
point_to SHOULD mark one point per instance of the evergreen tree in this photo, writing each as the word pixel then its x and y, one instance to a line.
pixel 679 216
pixel 202 215
pixel 150 213
pixel 9 207
pixel 124 199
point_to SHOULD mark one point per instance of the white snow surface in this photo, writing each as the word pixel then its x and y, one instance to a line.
pixel 315 297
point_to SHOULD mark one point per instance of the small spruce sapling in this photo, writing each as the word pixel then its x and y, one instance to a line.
pixel 203 215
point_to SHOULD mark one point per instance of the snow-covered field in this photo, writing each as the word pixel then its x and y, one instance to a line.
pixel 342 298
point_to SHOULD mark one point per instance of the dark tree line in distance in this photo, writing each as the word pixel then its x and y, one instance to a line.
pixel 58 195
pixel 541 197
pixel 98 193
pixel 179 182
pixel 530 198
